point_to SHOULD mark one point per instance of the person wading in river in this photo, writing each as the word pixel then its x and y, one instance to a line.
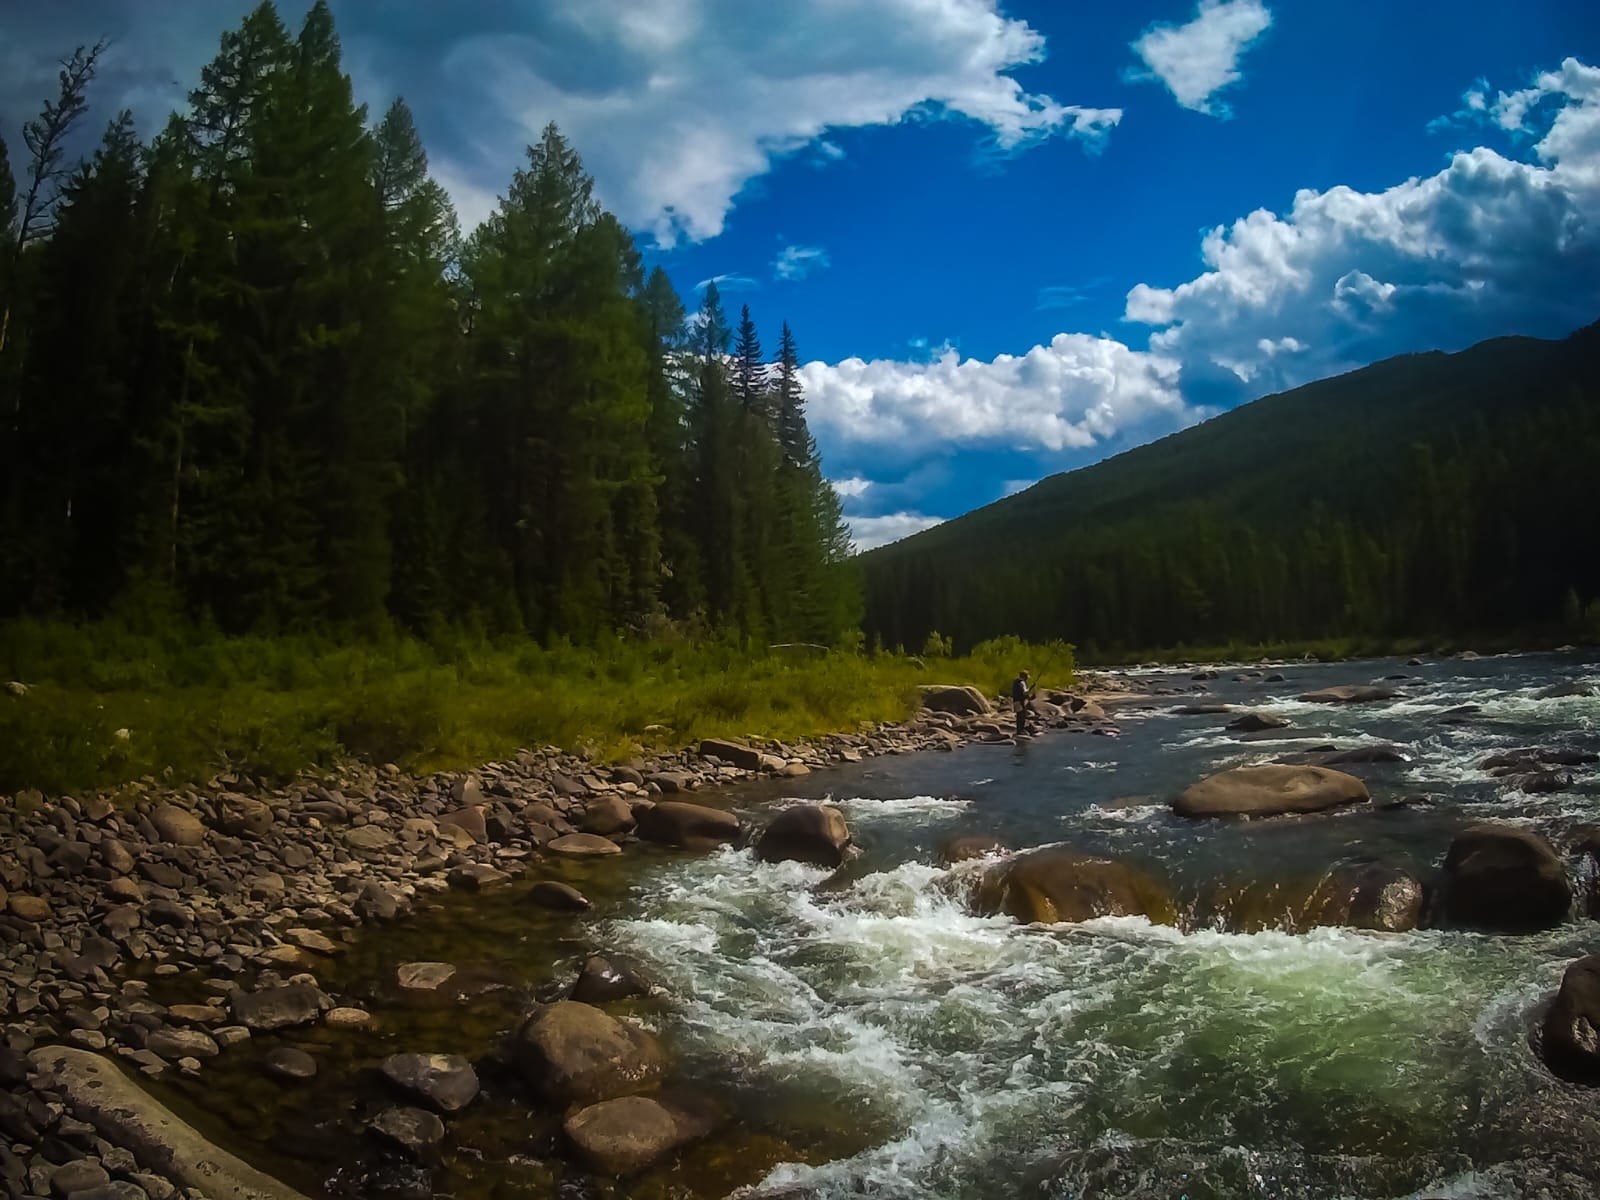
pixel 1021 694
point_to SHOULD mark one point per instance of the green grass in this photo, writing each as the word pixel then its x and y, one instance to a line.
pixel 193 703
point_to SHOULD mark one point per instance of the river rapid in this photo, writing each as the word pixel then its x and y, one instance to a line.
pixel 865 1034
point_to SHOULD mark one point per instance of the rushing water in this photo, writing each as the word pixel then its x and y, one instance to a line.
pixel 869 1036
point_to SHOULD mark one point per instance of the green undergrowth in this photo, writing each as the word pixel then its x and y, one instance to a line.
pixel 104 704
pixel 1333 649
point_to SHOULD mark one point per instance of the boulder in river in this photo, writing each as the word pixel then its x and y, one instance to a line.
pixel 423 976
pixel 687 826
pixel 957 700
pixel 1350 693
pixel 574 1053
pixel 1058 883
pixel 1256 722
pixel 1270 790
pixel 628 1134
pixel 1505 878
pixel 808 833
pixel 1369 896
pixel 1571 1034
pixel 1576 689
pixel 446 1081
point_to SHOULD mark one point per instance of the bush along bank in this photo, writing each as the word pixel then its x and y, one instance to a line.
pixel 251 887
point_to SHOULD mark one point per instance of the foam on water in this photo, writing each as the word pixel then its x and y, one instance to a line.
pixel 974 1049
pixel 865 808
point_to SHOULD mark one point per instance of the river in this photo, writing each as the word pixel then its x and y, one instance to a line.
pixel 865 1034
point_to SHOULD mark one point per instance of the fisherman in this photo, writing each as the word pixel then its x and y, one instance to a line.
pixel 1021 694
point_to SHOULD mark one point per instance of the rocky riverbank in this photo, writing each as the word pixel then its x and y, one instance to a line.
pixel 248 889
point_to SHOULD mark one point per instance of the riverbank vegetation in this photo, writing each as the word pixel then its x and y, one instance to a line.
pixel 107 703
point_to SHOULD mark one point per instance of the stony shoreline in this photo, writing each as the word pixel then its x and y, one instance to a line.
pixel 243 885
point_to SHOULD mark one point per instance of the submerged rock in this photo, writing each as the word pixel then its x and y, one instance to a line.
pixel 280 1007
pixel 808 833
pixel 290 1065
pixel 1571 1035
pixel 549 893
pixel 1505 878
pixel 583 845
pixel 1058 883
pixel 1270 790
pixel 628 1134
pixel 687 826
pixel 574 1053
pixel 416 1131
pixel 423 976
pixel 604 980
pixel 446 1081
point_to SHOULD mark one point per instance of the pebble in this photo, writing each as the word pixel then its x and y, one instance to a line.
pixel 347 1018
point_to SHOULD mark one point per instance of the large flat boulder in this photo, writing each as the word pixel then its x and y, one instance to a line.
pixel 1058 883
pixel 1506 879
pixel 1270 790
pixel 688 826
pixel 737 753
pixel 574 1053
pixel 962 701
pixel 808 833
pixel 1571 1035
pixel 1350 693
pixel 126 1115
pixel 628 1134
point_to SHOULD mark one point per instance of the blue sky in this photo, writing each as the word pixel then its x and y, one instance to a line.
pixel 1014 238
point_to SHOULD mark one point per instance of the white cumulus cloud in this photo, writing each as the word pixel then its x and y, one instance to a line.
pixel 1197 60
pixel 676 106
pixel 868 533
pixel 850 489
pixel 1077 390
pixel 1488 245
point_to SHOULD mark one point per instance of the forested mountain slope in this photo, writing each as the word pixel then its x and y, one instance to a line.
pixel 1426 494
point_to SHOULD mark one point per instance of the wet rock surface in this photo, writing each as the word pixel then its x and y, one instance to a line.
pixel 1270 791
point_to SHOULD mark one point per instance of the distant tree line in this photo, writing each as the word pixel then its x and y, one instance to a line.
pixel 1429 495
pixel 251 373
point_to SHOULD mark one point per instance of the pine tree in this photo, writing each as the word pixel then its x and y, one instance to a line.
pixel 81 370
pixel 749 371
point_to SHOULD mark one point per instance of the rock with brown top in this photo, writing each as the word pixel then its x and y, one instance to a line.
pixel 688 826
pixel 1505 878
pixel 1270 790
pixel 583 845
pixel 808 833
pixel 1571 1035
pixel 178 826
pixel 574 1053
pixel 1058 883
pixel 626 1135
